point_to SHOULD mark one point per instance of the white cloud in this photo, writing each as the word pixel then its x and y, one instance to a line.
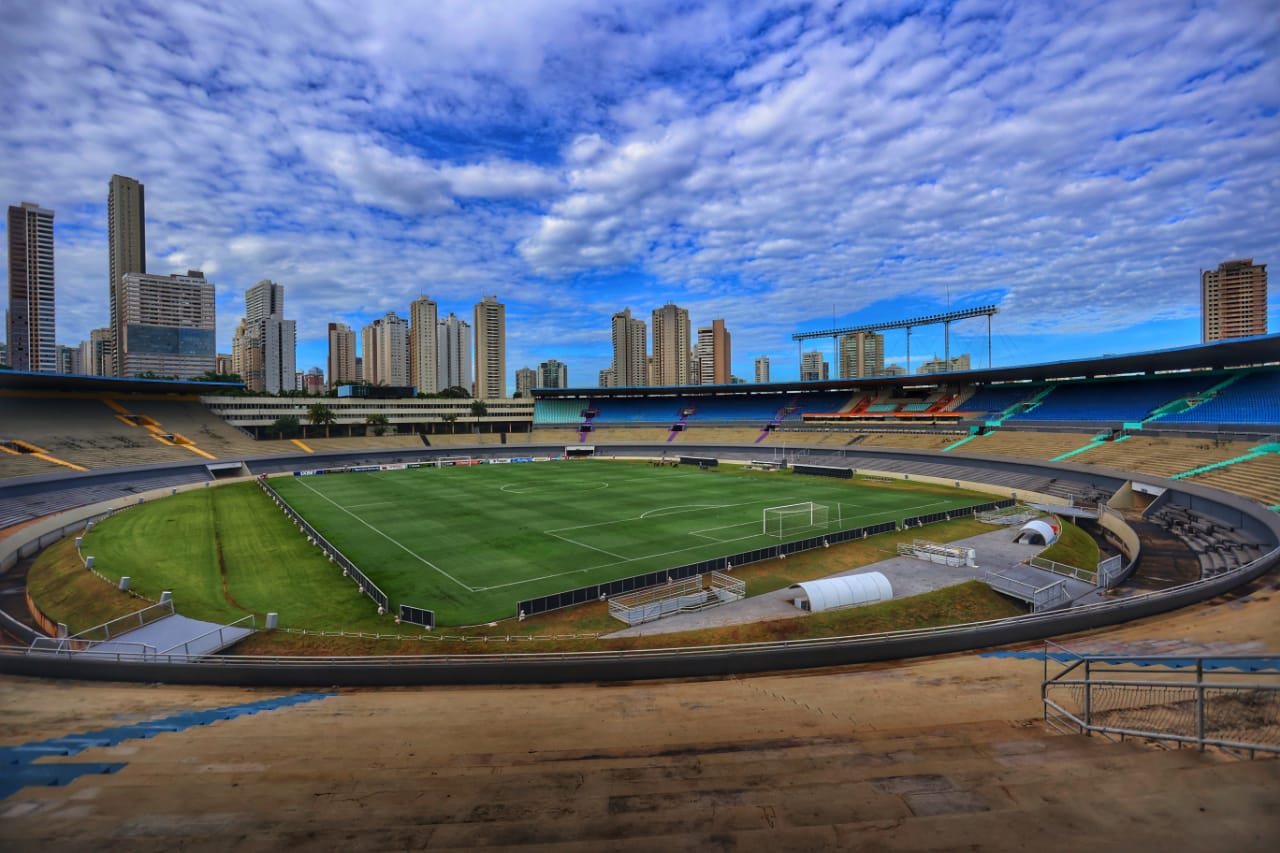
pixel 1078 163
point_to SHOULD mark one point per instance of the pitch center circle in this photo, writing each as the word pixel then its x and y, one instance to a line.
pixel 582 486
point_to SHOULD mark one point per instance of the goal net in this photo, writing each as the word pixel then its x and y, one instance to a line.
pixel 780 521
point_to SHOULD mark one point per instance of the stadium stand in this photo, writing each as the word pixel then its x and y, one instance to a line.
pixel 358 442
pixel 550 411
pixel 192 420
pixel 633 410
pixel 35 504
pixel 1159 455
pixel 84 431
pixel 992 400
pixel 1251 400
pixel 25 465
pixel 1036 445
pixel 923 440
pixel 1257 477
pixel 1106 401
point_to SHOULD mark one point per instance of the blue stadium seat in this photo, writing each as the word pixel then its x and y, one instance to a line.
pixel 1255 399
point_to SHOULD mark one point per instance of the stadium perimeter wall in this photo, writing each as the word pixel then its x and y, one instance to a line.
pixel 689 662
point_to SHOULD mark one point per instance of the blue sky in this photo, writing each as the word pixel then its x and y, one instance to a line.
pixel 778 165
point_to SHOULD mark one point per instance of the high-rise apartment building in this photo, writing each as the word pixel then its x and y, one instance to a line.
pixel 93 352
pixel 671 346
pixel 386 351
pixel 167 325
pixel 762 368
pixel 630 351
pixel 491 349
pixel 813 367
pixel 246 356
pixel 526 381
pixel 31 326
pixel 273 368
pixel 1233 300
pixel 943 365
pixel 714 354
pixel 126 252
pixel 552 374
pixel 342 355
pixel 861 354
pixel 313 381
pixel 453 353
pixel 423 323
pixel 68 360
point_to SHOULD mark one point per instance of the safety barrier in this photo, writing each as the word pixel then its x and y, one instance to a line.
pixel 349 569
pixel 1231 703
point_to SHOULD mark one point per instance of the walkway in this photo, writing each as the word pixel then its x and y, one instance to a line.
pixel 909 576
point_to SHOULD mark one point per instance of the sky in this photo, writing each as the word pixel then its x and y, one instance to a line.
pixel 785 167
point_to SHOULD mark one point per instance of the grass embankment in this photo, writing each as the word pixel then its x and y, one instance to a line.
pixel 972 601
pixel 67 592
pixel 1073 548
pixel 223 552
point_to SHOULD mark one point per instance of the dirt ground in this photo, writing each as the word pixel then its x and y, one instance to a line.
pixel 939 753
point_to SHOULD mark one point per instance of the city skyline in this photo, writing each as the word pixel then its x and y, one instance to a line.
pixel 783 168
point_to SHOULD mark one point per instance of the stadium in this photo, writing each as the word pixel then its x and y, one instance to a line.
pixel 548 525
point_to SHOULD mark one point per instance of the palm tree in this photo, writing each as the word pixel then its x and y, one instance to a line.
pixel 321 415
pixel 450 420
pixel 284 425
pixel 378 423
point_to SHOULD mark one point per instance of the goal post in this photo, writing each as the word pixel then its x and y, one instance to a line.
pixel 780 521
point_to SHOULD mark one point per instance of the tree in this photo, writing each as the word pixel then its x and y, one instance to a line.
pixel 378 423
pixel 454 392
pixel 213 376
pixel 321 415
pixel 284 426
pixel 478 409
pixel 450 420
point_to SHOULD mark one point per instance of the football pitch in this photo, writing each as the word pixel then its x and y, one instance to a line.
pixel 470 542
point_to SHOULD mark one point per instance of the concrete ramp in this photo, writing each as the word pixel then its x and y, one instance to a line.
pixel 175 637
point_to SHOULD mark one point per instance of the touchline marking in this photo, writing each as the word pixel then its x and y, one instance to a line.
pixel 390 539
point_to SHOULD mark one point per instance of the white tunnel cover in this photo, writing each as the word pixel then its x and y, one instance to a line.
pixel 845 591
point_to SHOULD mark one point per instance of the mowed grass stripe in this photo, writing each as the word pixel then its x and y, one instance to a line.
pixel 506 532
pixel 173 544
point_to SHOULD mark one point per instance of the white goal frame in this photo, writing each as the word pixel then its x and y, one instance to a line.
pixel 773 518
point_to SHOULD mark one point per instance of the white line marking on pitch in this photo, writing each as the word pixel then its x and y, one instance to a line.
pixel 390 539
pixel 582 545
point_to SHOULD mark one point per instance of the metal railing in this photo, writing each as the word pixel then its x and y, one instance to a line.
pixel 121 650
pixel 1040 598
pixel 1229 702
pixel 220 631
pixel 1064 569
pixel 126 623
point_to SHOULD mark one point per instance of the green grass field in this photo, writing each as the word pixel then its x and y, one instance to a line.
pixel 223 553
pixel 469 543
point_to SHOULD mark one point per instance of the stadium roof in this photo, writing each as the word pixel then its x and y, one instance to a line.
pixel 21 380
pixel 1242 352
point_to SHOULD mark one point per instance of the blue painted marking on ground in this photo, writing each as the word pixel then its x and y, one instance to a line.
pixel 17 763
pixel 1241 664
